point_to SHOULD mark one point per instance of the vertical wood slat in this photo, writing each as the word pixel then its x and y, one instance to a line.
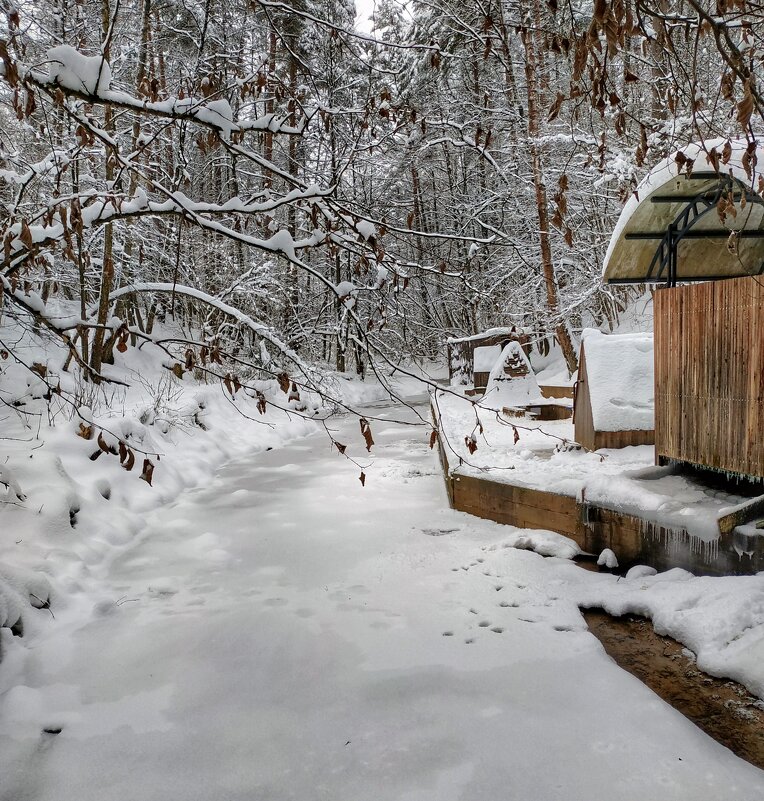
pixel 709 374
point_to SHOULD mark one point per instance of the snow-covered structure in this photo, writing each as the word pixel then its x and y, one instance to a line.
pixel 470 359
pixel 696 218
pixel 614 399
pixel 511 383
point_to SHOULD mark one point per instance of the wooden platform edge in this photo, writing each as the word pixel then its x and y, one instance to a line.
pixel 635 540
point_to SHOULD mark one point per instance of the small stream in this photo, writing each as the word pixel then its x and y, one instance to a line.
pixel 723 709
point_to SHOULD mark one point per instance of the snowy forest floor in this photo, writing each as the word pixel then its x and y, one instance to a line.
pixel 283 632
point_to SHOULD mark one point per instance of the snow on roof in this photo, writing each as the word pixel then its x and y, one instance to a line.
pixel 491 332
pixel 629 259
pixel 485 357
pixel 619 376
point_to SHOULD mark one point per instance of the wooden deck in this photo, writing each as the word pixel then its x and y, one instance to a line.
pixel 633 539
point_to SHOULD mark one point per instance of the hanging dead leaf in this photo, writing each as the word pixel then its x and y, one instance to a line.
pixel 366 433
pixel 728 86
pixel 515 435
pixel 726 152
pixel 745 106
pixel 721 209
pixel 126 457
pixel 102 444
pixel 556 106
pixel 26 235
pixel 362 478
pixel 340 447
pixel 712 157
pixel 148 471
pixel 433 438
pixel 471 443
pixel 261 402
pixel 284 382
pixel 85 431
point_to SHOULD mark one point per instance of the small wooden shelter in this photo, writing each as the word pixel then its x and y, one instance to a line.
pixel 470 359
pixel 614 394
pixel 677 230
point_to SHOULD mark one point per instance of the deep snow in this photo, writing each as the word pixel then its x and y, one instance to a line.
pixel 285 633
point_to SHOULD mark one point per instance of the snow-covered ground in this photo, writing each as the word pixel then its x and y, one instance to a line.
pixel 283 632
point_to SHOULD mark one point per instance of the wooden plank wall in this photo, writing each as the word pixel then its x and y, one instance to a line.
pixel 709 374
pixel 583 419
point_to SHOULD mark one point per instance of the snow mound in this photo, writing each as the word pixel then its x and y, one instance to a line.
pixel 20 590
pixel 607 559
pixel 544 543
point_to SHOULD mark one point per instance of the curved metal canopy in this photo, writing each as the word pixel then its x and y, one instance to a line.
pixel 672 230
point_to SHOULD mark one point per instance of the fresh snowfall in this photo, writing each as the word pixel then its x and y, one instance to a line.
pixel 275 277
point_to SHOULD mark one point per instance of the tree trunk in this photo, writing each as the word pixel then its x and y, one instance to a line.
pixel 530 44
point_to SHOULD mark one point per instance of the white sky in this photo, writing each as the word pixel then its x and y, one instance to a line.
pixel 363 10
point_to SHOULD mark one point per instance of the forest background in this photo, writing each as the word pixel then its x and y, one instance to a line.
pixel 294 193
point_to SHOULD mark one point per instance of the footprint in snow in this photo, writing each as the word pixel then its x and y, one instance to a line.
pixel 276 602
pixel 498 629
pixel 448 633
pixel 484 624
pixel 507 604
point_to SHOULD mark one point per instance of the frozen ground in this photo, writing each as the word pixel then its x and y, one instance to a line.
pixel 285 633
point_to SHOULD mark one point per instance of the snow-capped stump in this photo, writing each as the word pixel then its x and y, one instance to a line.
pixel 607 559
